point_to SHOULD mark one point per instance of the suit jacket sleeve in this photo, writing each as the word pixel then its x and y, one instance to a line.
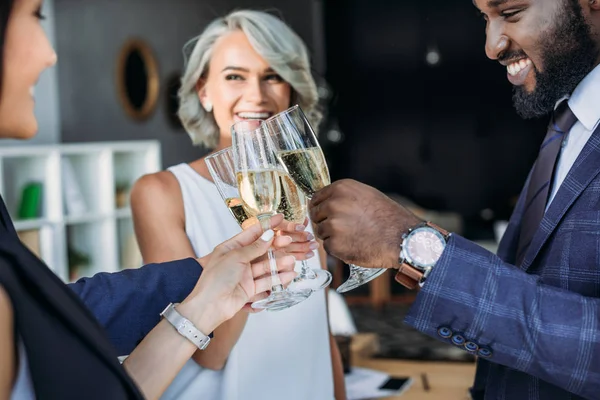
pixel 473 297
pixel 128 303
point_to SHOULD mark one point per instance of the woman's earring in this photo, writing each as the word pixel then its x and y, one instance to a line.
pixel 208 106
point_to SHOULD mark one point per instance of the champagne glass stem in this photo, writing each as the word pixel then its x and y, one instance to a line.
pixel 276 286
pixel 307 272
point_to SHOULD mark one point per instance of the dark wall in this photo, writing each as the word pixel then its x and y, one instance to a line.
pixel 444 135
pixel 89 35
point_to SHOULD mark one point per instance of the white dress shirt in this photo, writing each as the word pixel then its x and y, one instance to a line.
pixel 585 104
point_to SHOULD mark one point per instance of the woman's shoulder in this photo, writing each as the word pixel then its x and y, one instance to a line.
pixel 157 185
pixel 156 182
pixel 159 190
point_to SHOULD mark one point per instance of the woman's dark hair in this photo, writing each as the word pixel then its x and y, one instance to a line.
pixel 5 8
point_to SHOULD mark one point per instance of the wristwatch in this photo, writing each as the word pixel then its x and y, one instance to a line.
pixel 185 327
pixel 421 248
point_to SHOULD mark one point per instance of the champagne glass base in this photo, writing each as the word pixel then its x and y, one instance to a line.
pixel 282 300
pixel 359 278
pixel 317 279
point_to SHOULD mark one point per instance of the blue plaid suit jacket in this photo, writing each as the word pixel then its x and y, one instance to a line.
pixel 535 327
pixel 128 303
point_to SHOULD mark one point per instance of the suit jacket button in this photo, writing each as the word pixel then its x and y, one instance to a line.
pixel 444 332
pixel 458 339
pixel 485 352
pixel 471 346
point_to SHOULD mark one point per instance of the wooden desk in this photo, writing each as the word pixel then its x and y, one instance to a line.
pixel 447 381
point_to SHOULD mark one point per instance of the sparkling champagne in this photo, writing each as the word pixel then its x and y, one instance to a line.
pixel 307 167
pixel 236 206
pixel 260 190
pixel 293 201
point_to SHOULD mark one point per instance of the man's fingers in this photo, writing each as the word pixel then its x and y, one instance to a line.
pixel 318 213
pixel 320 196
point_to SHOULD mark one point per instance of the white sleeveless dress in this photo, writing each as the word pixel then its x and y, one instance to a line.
pixel 280 355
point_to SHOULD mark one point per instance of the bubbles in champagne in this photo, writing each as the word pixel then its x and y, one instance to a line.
pixel 260 191
pixel 293 201
pixel 239 212
pixel 307 167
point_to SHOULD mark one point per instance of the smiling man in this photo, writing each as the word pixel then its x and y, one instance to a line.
pixel 531 313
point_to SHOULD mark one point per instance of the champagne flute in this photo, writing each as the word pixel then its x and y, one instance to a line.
pixel 257 175
pixel 300 153
pixel 294 207
pixel 222 170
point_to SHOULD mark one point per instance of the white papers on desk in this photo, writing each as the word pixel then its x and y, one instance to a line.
pixel 363 384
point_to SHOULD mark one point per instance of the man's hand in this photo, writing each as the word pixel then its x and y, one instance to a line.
pixel 360 225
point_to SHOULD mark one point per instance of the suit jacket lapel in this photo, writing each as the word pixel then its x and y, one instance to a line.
pixel 507 248
pixel 584 170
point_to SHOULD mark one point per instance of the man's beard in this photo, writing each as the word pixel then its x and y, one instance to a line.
pixel 569 54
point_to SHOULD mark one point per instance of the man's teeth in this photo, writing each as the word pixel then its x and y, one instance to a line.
pixel 254 115
pixel 518 66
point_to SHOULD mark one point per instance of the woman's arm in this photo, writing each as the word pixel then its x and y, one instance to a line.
pixel 339 384
pixel 7 346
pixel 159 221
pixel 160 356
pixel 228 282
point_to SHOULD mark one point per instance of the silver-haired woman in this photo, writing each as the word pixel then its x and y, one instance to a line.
pixel 247 65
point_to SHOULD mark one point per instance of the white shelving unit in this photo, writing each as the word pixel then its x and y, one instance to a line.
pixel 102 229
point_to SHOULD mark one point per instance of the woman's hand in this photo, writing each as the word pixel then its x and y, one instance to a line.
pixel 234 274
pixel 303 245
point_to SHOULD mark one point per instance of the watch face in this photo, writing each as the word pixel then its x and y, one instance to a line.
pixel 423 247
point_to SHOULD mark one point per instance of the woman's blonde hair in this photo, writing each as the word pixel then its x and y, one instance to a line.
pixel 273 40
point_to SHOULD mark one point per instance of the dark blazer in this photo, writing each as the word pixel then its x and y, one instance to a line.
pixel 69 354
pixel 534 326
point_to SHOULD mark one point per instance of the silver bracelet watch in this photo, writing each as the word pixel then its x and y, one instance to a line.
pixel 185 327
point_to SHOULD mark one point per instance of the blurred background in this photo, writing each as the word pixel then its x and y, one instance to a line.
pixel 413 107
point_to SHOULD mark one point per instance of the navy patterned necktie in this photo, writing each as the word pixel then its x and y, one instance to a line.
pixel 540 183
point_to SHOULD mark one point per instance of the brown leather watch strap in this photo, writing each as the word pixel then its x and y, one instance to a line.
pixel 444 232
pixel 407 275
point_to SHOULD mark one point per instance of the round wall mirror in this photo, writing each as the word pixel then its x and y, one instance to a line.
pixel 137 79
